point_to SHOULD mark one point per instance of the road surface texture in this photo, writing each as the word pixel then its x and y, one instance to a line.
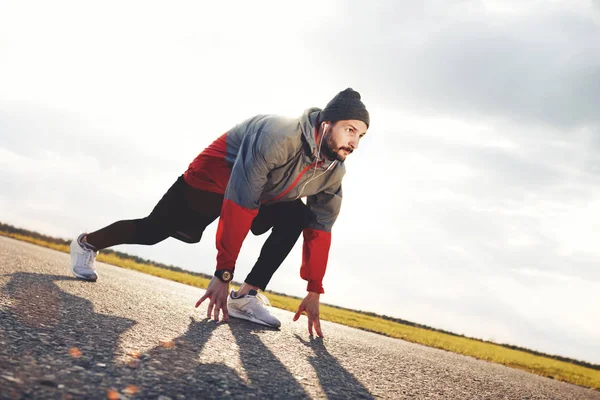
pixel 137 336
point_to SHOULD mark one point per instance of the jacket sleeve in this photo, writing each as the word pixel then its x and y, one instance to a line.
pixel 258 154
pixel 326 207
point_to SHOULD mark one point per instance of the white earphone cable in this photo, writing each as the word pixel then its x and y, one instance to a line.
pixel 317 161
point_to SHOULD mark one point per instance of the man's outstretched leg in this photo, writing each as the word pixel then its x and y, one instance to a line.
pixel 287 220
pixel 183 213
pixel 85 247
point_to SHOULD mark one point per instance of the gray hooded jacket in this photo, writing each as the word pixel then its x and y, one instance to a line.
pixel 268 159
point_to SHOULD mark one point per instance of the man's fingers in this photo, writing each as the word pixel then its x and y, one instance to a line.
pixel 217 309
pixel 318 327
pixel 225 312
pixel 201 299
pixel 310 325
pixel 210 308
pixel 298 313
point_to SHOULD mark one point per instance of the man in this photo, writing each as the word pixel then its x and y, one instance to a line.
pixel 253 179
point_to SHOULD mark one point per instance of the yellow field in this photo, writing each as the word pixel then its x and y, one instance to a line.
pixel 545 366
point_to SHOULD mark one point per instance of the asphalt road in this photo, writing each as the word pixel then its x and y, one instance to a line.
pixel 137 336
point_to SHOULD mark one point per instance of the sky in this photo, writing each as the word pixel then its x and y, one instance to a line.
pixel 472 205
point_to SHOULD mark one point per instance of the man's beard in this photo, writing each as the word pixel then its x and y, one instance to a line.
pixel 332 152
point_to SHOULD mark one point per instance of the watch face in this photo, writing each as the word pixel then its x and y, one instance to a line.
pixel 226 275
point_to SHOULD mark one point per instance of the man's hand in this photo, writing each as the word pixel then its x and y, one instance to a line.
pixel 217 292
pixel 310 305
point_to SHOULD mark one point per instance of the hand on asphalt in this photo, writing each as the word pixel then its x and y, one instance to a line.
pixel 217 292
pixel 310 305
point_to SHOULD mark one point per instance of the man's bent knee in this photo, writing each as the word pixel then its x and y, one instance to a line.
pixel 149 231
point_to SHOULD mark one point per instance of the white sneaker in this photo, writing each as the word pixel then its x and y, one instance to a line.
pixel 253 307
pixel 82 260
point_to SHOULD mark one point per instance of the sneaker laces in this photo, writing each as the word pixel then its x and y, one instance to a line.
pixel 260 297
pixel 89 257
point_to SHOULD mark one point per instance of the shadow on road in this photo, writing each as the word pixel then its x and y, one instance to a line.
pixel 335 380
pixel 54 345
pixel 263 368
pixel 174 368
pixel 51 338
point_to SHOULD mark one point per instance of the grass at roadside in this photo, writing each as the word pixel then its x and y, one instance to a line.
pixel 539 364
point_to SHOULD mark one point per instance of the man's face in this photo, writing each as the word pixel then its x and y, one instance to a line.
pixel 342 138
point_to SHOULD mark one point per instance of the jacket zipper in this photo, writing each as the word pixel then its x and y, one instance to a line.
pixel 286 191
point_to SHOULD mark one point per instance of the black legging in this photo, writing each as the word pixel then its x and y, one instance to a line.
pixel 184 213
pixel 287 220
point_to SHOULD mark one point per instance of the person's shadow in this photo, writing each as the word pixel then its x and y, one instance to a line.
pixel 265 371
pixel 335 380
pixel 55 345
pixel 51 338
pixel 174 368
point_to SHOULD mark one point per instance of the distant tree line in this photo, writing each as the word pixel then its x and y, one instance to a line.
pixel 11 229
pixel 509 346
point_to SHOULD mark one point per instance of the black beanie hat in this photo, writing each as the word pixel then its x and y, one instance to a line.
pixel 345 105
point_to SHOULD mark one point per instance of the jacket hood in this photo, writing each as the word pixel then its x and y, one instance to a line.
pixel 308 123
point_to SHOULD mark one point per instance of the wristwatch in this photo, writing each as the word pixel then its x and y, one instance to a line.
pixel 224 275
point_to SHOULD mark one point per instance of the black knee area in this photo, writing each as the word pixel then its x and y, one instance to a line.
pixel 149 231
pixel 303 216
pixel 292 216
pixel 258 229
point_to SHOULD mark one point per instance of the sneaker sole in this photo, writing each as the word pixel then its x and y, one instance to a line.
pixel 241 315
pixel 84 278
